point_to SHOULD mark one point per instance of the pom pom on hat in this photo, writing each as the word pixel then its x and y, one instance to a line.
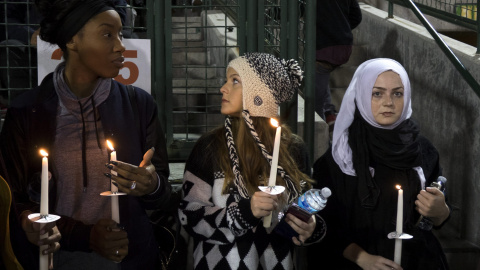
pixel 267 82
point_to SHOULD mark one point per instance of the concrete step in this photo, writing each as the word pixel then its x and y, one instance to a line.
pixel 359 55
pixel 187 46
pixel 186 19
pixel 198 83
pixel 189 29
pixel 190 58
pixel 189 37
pixel 196 91
pixel 205 103
pixel 176 172
pixel 322 137
pixel 337 95
pixel 341 76
pixel 460 253
pixel 196 122
pixel 194 72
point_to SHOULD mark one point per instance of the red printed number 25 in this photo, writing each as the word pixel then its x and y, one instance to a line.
pixel 57 55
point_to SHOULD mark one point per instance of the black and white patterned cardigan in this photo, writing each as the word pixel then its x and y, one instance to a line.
pixel 225 232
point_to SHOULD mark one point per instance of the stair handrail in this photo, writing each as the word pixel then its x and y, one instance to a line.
pixel 467 76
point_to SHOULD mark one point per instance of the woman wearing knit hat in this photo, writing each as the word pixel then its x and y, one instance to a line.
pixel 71 115
pixel 376 147
pixel 223 207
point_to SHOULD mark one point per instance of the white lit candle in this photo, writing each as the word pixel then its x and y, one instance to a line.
pixel 114 189
pixel 44 184
pixel 43 259
pixel 399 229
pixel 276 148
pixel 267 220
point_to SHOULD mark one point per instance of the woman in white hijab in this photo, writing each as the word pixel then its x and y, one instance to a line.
pixel 376 147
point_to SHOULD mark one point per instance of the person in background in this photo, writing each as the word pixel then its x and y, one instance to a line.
pixel 223 207
pixel 335 21
pixel 375 147
pixel 71 115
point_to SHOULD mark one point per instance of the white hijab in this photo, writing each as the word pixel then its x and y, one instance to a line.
pixel 359 92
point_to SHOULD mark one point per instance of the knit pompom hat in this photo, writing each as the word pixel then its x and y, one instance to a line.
pixel 267 81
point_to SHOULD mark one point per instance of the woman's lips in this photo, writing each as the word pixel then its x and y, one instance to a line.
pixel 119 62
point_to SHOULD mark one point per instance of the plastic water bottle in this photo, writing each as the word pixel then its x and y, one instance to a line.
pixel 425 223
pixel 314 200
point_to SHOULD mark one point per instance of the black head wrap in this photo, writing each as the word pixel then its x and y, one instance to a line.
pixel 79 14
pixel 396 148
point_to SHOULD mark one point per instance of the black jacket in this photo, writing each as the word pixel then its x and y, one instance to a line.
pixel 30 124
pixel 335 21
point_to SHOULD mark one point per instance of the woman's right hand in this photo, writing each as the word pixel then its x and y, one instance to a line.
pixel 374 262
pixel 108 240
pixel 368 261
pixel 262 204
pixel 34 230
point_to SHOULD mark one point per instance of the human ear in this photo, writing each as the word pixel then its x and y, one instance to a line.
pixel 71 45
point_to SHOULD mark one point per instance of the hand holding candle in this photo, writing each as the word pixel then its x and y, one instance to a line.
pixel 273 169
pixel 43 220
pixel 44 205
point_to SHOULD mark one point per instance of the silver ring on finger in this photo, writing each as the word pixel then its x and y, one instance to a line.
pixel 117 253
pixel 134 185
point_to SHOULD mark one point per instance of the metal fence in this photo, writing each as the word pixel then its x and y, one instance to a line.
pixel 214 33
pixel 191 41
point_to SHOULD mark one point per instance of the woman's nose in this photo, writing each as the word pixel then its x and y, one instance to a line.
pixel 119 46
pixel 388 101
pixel 223 89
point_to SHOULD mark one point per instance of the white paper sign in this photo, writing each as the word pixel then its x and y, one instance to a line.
pixel 136 70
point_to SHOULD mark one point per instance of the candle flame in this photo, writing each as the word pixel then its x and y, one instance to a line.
pixel 43 153
pixel 274 122
pixel 398 187
pixel 110 145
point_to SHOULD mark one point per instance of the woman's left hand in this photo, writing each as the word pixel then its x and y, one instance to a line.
pixel 135 180
pixel 304 229
pixel 431 203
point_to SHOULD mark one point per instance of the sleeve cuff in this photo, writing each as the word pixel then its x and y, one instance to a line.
pixel 158 186
pixel 246 212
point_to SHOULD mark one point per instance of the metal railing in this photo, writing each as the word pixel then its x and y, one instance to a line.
pixel 443 46
pixel 459 12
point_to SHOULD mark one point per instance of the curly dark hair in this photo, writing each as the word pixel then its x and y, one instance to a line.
pixel 53 27
pixel 53 12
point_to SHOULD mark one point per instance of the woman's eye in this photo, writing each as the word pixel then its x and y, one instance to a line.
pixel 120 35
pixel 398 94
pixel 235 81
pixel 376 94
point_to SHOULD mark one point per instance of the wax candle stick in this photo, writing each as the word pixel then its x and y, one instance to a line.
pixel 399 228
pixel 43 259
pixel 114 189
pixel 276 147
pixel 267 220
pixel 44 185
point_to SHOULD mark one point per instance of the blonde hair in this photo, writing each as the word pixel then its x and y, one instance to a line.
pixel 253 165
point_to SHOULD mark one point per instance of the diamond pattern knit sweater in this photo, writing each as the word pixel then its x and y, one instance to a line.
pixel 225 232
